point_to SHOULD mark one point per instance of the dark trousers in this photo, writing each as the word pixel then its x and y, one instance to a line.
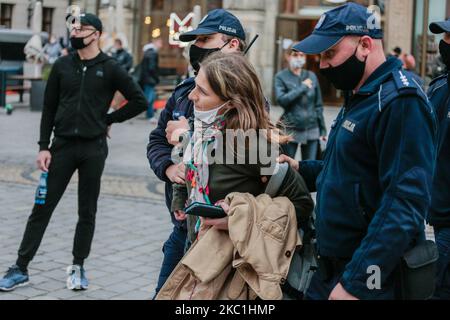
pixel 309 150
pixel 88 157
pixel 173 250
pixel 320 289
pixel 442 236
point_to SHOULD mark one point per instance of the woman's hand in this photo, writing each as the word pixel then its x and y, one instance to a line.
pixel 180 215
pixel 221 224
pixel 293 163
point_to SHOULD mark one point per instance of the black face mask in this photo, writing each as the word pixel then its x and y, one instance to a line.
pixel 444 50
pixel 197 55
pixel 78 43
pixel 347 75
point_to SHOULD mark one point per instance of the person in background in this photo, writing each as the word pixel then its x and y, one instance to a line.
pixel 409 64
pixel 396 53
pixel 52 50
pixel 150 75
pixel 298 91
pixel 122 56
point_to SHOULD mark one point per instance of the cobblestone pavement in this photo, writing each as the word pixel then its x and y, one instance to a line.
pixel 132 220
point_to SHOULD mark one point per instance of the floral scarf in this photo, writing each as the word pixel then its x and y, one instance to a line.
pixel 196 158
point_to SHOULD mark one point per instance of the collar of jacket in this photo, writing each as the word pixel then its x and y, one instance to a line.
pixel 379 76
pixel 88 63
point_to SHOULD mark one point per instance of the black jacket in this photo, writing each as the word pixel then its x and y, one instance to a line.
pixel 303 106
pixel 78 96
pixel 124 59
pixel 149 68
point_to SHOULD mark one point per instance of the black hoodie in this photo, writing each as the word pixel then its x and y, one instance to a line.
pixel 78 96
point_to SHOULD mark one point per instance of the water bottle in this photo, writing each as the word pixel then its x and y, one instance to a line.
pixel 41 191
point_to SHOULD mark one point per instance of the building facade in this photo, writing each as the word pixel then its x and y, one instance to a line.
pixel 16 14
pixel 277 22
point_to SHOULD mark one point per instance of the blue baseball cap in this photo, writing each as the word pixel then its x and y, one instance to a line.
pixel 216 21
pixel 440 27
pixel 346 20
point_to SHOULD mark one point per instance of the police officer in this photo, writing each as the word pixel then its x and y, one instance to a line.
pixel 219 30
pixel 76 104
pixel 373 187
pixel 439 216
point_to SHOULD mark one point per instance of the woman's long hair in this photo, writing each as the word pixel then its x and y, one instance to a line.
pixel 234 79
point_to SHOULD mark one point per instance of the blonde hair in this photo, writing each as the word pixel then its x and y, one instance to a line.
pixel 234 79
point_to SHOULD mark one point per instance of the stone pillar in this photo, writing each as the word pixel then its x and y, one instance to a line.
pixel 258 17
pixel 399 25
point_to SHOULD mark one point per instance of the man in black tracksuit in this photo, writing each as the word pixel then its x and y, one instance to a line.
pixel 79 91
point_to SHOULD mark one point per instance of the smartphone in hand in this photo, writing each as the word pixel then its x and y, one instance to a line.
pixel 205 211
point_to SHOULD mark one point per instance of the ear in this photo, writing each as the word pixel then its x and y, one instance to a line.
pixel 234 44
pixel 367 45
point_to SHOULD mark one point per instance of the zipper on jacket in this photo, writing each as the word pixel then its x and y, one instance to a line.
pixel 83 73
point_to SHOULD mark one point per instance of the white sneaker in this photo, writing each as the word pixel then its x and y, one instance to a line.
pixel 74 279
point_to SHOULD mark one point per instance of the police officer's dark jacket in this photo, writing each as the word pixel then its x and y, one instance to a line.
pixel 158 149
pixel 78 96
pixel 374 185
pixel 439 95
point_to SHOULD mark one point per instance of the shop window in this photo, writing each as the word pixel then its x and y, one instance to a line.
pixel 47 19
pixel 6 15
